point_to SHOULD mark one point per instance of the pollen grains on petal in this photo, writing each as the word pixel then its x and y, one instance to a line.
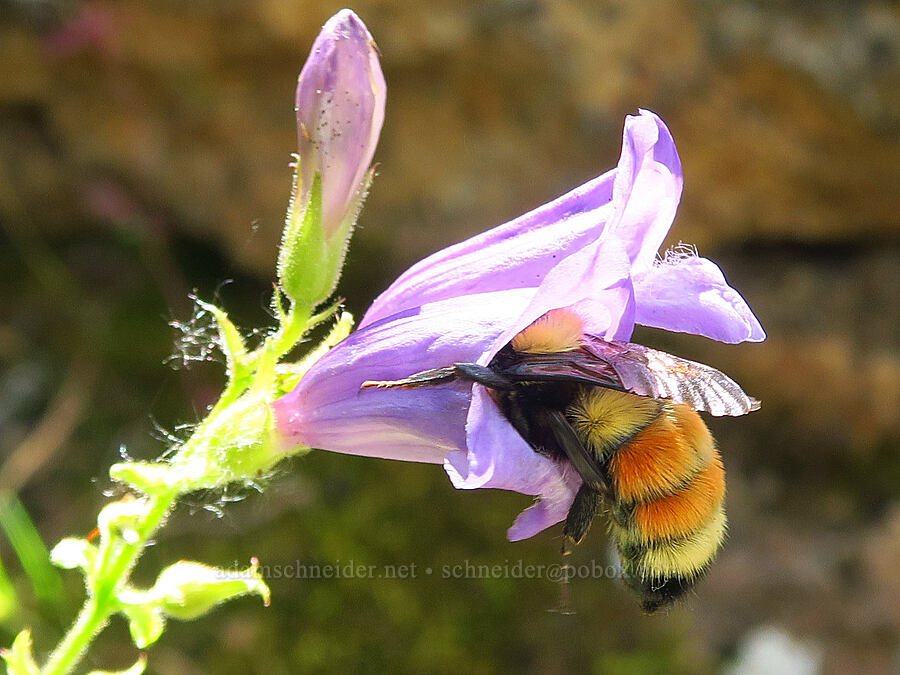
pixel 559 330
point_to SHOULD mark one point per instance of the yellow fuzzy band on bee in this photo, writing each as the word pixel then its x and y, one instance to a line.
pixel 656 462
pixel 559 330
pixel 606 418
pixel 682 513
pixel 684 558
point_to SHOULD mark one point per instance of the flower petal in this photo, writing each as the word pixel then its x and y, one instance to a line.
pixel 547 511
pixel 593 282
pixel 515 255
pixel 327 410
pixel 500 458
pixel 689 294
pixel 638 198
pixel 647 188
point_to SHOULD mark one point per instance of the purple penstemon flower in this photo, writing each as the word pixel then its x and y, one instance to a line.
pixel 592 251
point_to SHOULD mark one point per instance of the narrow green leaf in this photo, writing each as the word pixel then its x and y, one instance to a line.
pixel 8 600
pixel 29 548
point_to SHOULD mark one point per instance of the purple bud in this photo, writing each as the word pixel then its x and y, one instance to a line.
pixel 340 110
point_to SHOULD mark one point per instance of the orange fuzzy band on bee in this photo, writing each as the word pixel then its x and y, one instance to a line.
pixel 684 512
pixel 695 433
pixel 661 457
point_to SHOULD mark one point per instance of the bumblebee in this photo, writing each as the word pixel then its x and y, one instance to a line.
pixel 625 416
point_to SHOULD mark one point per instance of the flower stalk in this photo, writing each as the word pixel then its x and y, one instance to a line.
pixel 340 109
pixel 116 559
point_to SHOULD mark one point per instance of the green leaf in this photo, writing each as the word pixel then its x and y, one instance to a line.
pixel 8 601
pixel 30 549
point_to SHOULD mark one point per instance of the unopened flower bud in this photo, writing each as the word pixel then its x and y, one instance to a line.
pixel 340 109
pixel 187 590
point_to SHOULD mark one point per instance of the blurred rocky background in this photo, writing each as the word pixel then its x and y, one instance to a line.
pixel 144 149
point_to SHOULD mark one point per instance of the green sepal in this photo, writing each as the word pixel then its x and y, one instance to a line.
pixel 278 306
pixel 146 620
pixel 230 340
pixel 303 272
pixel 288 375
pixel 136 669
pixel 20 658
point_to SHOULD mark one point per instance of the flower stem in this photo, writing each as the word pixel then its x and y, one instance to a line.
pixel 118 555
pixel 111 576
pixel 91 620
pixel 294 324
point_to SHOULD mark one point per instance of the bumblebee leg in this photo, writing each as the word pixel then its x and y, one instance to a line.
pixel 426 378
pixel 482 375
pixel 580 517
pixel 430 378
pixel 584 460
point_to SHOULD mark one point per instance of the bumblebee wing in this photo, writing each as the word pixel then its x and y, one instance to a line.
pixel 650 372
pixel 637 369
pixel 578 367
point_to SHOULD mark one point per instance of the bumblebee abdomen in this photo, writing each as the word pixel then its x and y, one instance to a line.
pixel 667 488
pixel 663 571
pixel 684 511
pixel 671 502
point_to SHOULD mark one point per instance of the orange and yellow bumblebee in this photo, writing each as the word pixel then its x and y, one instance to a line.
pixel 625 416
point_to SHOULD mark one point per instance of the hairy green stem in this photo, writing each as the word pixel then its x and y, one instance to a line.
pixel 91 620
pixel 294 325
pixel 117 556
pixel 101 604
